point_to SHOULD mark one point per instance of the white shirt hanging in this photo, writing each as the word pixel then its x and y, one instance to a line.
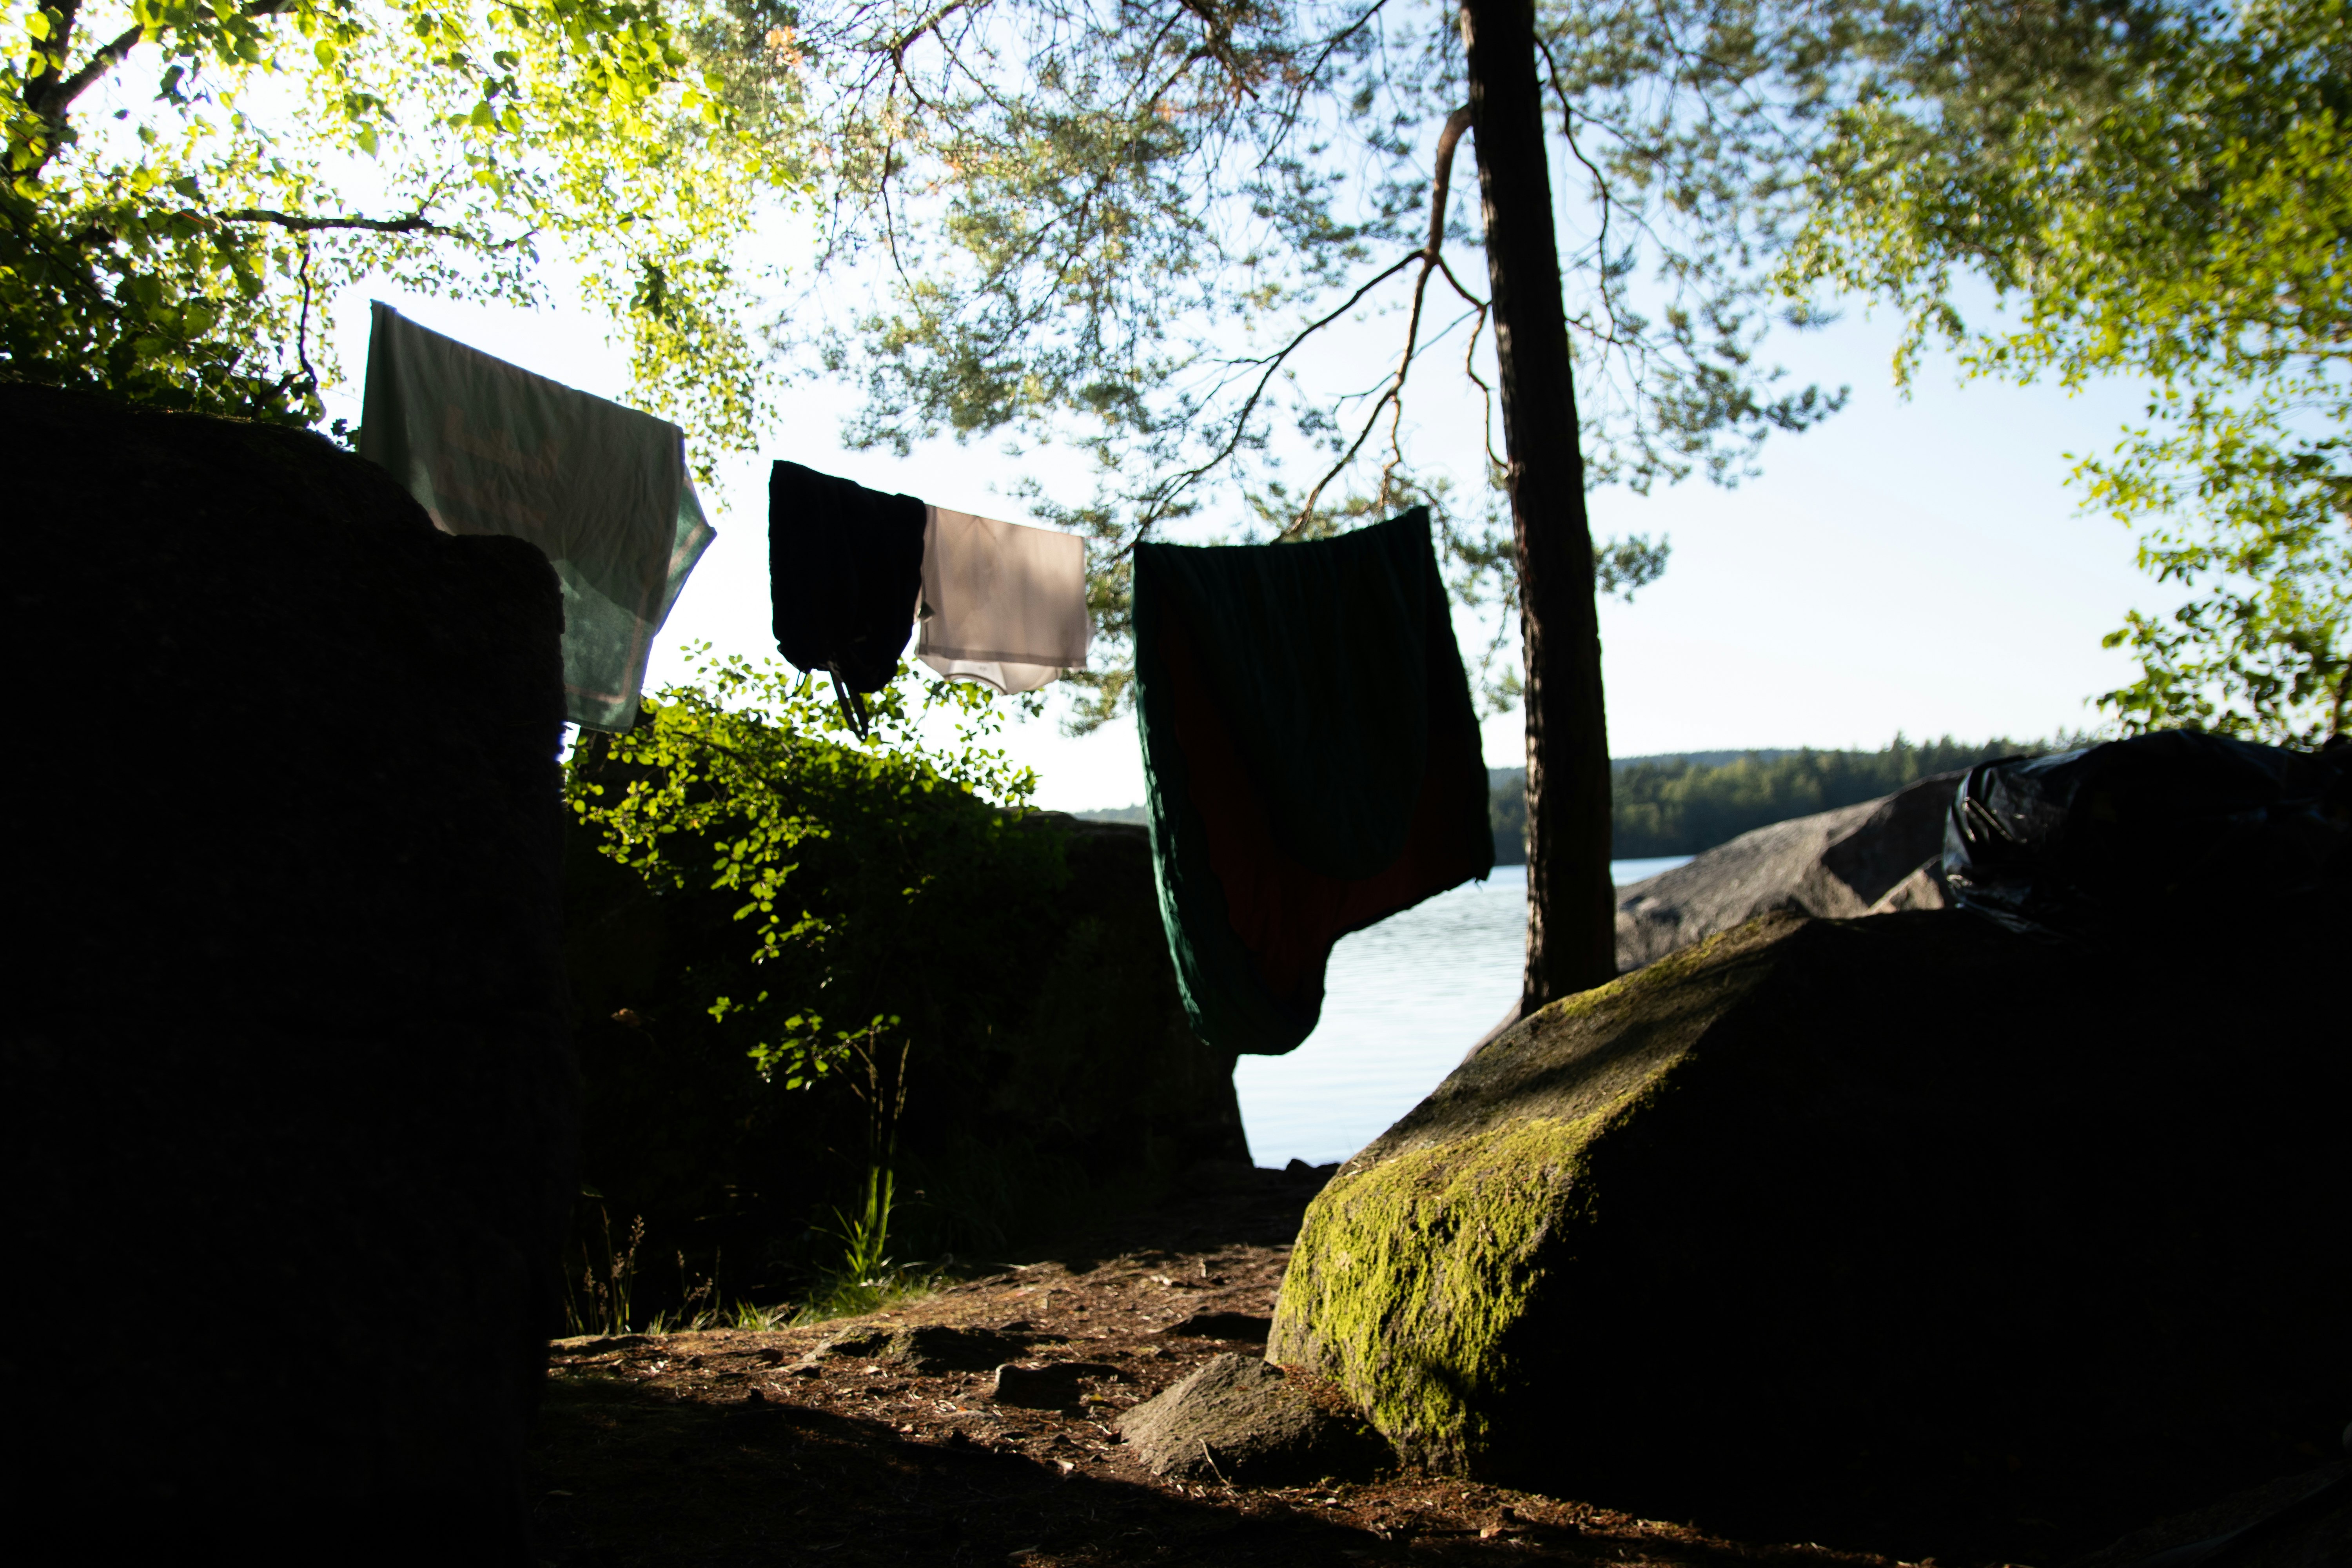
pixel 1003 604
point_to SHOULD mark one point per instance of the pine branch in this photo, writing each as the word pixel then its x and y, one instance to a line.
pixel 1432 255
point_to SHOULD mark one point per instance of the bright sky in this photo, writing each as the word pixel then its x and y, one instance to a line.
pixel 1912 565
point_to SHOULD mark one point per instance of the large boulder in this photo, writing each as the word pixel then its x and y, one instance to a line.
pixel 1879 855
pixel 289 1093
pixel 1904 1232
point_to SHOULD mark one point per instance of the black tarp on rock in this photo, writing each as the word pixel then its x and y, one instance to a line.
pixel 2151 839
pixel 289 1094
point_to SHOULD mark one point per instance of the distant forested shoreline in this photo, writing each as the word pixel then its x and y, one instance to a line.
pixel 1687 805
pixel 1687 802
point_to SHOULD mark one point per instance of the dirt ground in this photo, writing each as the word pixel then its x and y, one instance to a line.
pixel 729 1447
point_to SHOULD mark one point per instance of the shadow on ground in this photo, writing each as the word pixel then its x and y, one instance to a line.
pixel 632 1475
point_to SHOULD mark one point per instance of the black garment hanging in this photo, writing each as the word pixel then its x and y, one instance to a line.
pixel 845 569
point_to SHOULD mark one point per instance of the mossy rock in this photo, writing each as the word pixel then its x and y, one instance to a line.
pixel 1904 1231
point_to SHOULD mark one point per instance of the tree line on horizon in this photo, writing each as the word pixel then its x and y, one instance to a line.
pixel 1687 803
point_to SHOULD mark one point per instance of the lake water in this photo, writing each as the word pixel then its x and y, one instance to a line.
pixel 1404 1002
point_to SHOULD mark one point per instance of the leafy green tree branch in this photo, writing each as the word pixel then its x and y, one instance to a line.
pixel 189 184
pixel 2163 192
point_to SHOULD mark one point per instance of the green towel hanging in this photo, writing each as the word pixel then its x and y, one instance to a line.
pixel 1312 761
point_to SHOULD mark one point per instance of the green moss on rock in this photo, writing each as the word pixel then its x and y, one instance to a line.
pixel 1418 1262
pixel 1410 1277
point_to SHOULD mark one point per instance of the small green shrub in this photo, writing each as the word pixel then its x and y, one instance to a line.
pixel 762 907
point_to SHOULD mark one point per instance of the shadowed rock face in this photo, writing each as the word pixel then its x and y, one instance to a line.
pixel 1869 858
pixel 289 1095
pixel 1903 1232
pixel 2294 1521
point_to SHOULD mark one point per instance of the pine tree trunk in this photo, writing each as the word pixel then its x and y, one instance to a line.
pixel 1571 904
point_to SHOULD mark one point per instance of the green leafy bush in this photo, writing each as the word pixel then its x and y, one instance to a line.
pixel 840 995
pixel 767 914
pixel 749 782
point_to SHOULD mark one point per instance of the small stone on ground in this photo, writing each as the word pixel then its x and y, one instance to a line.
pixel 1241 1421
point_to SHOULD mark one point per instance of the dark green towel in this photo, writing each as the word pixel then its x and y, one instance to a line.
pixel 1312 759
